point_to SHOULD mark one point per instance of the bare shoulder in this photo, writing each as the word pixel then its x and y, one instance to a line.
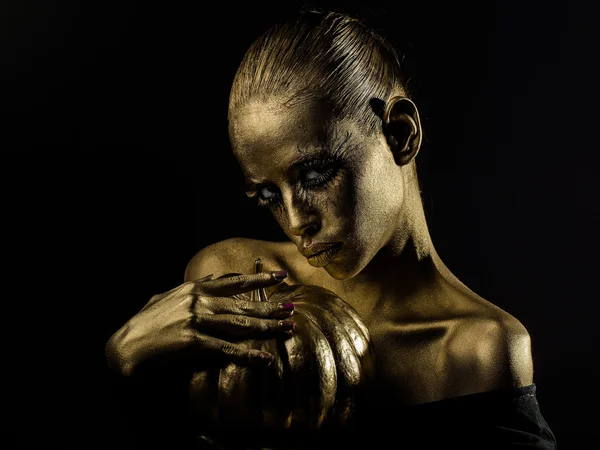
pixel 235 255
pixel 492 350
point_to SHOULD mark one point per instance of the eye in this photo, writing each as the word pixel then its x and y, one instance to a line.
pixel 312 174
pixel 267 192
pixel 318 176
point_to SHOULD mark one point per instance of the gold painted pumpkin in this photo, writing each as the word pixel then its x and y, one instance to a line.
pixel 314 384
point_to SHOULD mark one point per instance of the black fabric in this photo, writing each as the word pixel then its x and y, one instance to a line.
pixel 503 419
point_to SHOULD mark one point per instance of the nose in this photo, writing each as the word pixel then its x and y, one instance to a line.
pixel 302 220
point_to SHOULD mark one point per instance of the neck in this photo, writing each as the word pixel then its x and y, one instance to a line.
pixel 408 263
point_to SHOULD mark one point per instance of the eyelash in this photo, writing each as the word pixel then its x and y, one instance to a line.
pixel 328 170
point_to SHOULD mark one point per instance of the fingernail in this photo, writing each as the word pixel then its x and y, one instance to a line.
pixel 289 306
pixel 267 358
pixel 280 274
pixel 287 325
pixel 282 314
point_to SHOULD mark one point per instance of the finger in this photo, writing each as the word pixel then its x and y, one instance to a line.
pixel 241 326
pixel 239 284
pixel 236 353
pixel 227 305
pixel 157 298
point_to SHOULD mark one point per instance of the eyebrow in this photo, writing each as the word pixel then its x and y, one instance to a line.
pixel 302 162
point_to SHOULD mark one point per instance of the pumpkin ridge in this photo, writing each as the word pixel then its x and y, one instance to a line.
pixel 349 323
pixel 342 307
pixel 347 362
pixel 312 387
pixel 327 403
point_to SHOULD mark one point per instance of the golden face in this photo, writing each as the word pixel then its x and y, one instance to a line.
pixel 336 191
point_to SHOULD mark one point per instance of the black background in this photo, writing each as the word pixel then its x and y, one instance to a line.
pixel 116 169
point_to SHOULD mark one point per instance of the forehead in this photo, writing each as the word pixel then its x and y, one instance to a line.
pixel 265 134
pixel 267 122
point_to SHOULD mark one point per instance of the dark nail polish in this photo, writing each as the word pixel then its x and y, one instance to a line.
pixel 266 358
pixel 287 325
pixel 280 274
pixel 289 306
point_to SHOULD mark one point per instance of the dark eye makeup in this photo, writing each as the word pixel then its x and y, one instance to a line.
pixel 315 172
pixel 313 175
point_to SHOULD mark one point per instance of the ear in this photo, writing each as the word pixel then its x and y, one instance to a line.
pixel 402 129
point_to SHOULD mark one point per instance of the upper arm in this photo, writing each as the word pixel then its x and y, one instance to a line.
pixel 518 354
pixel 211 259
pixel 231 255
pixel 493 354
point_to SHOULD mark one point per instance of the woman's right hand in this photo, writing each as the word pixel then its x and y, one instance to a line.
pixel 196 319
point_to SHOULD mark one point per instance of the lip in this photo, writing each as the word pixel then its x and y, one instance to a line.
pixel 319 255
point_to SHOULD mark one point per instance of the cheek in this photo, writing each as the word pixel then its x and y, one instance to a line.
pixel 379 197
pixel 338 200
pixel 280 217
pixel 335 204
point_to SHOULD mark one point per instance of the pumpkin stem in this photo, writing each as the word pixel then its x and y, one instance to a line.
pixel 259 295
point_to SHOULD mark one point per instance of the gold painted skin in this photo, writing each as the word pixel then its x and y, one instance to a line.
pixel 434 338
pixel 327 360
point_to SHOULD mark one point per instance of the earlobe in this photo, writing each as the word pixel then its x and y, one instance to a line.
pixel 402 129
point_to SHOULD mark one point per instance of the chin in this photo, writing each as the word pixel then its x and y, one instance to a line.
pixel 337 274
pixel 343 269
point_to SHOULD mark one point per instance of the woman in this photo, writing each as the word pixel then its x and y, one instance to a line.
pixel 323 128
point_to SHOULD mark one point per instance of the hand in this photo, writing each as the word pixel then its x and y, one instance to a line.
pixel 200 317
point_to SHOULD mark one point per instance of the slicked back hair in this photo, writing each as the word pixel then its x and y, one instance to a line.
pixel 324 56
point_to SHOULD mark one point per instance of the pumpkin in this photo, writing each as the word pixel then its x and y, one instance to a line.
pixel 315 382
